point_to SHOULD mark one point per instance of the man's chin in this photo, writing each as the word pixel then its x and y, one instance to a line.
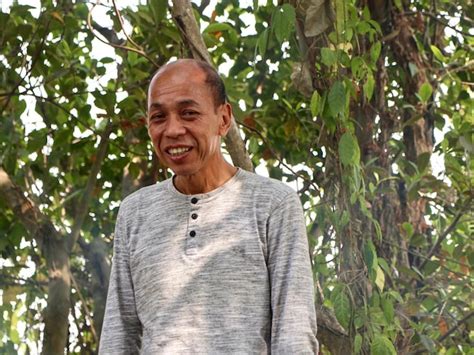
pixel 182 171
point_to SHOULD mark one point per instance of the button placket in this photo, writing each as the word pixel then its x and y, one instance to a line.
pixel 192 235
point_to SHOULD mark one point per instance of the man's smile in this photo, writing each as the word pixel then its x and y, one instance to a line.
pixel 178 151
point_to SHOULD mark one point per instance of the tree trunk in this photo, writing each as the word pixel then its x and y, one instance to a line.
pixel 53 248
pixel 183 15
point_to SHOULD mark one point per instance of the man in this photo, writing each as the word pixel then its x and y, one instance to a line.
pixel 214 260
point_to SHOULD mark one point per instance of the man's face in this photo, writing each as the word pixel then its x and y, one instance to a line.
pixel 183 123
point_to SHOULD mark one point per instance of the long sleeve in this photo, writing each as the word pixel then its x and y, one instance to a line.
pixel 121 330
pixel 292 292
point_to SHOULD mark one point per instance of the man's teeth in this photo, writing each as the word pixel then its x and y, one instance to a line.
pixel 178 151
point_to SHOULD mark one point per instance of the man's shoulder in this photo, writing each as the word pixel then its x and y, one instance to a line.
pixel 265 187
pixel 145 195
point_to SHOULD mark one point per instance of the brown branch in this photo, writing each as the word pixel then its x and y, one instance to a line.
pixel 24 209
pixel 186 22
pixel 98 265
pixel 331 333
pixel 184 17
pixel 57 259
pixel 456 326
pixel 454 69
pixel 91 183
pixel 122 26
pixel 280 159
pixel 92 129
pixel 446 232
pixel 454 261
pixel 131 49
pixel 437 19
pixel 35 58
pixel 86 308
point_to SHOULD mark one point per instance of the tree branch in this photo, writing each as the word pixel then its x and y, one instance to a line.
pixel 280 159
pixel 186 22
pixel 35 58
pixel 53 249
pixel 91 182
pixel 183 15
pixel 112 44
pixel 87 312
pixel 24 209
pixel 120 18
pixel 456 326
pixel 438 19
pixel 331 334
pixel 446 232
pixel 92 129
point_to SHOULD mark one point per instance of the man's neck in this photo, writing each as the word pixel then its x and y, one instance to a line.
pixel 205 181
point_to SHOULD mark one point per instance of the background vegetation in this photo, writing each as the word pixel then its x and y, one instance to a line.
pixel 364 105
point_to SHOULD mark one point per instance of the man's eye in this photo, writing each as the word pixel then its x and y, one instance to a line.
pixel 189 113
pixel 157 117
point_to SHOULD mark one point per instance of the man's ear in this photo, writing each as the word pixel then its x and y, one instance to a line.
pixel 226 117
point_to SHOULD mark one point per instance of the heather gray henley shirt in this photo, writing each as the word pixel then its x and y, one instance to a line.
pixel 225 272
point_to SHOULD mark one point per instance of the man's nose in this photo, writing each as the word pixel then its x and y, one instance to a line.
pixel 174 127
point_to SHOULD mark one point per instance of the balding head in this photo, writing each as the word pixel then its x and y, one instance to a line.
pixel 192 69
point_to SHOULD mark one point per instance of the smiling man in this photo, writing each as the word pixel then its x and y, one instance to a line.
pixel 214 260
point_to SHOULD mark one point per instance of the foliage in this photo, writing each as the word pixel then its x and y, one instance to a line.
pixel 345 100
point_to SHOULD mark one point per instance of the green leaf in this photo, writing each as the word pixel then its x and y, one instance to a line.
pixel 328 57
pixel 422 161
pixel 349 152
pixel 358 68
pixel 314 105
pixel 408 228
pixel 375 51
pixel 341 15
pixel 262 43
pixel 437 53
pixel 357 343
pixel 158 9
pixel 284 19
pixel 398 4
pixel 342 306
pixel 388 309
pixel 369 86
pixel 425 92
pixel 380 278
pixel 14 336
pixel 370 256
pixel 337 98
pixel 218 27
pixel 381 345
pixel 429 344
pixel 36 141
pixel 413 69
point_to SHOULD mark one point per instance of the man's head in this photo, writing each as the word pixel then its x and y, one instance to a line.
pixel 187 116
pixel 215 83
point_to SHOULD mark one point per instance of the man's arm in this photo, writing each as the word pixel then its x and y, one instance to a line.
pixel 121 330
pixel 292 290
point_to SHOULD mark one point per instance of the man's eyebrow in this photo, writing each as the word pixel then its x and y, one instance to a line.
pixel 156 105
pixel 185 102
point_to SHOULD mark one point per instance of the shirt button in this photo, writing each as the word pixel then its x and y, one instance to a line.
pixel 194 200
pixel 194 216
pixel 192 233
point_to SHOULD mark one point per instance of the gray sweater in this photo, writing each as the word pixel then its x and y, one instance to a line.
pixel 225 272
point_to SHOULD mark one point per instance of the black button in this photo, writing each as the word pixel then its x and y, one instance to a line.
pixel 192 233
pixel 194 216
pixel 194 200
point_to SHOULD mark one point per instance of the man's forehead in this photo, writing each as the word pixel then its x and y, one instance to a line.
pixel 180 81
pixel 180 102
pixel 184 68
